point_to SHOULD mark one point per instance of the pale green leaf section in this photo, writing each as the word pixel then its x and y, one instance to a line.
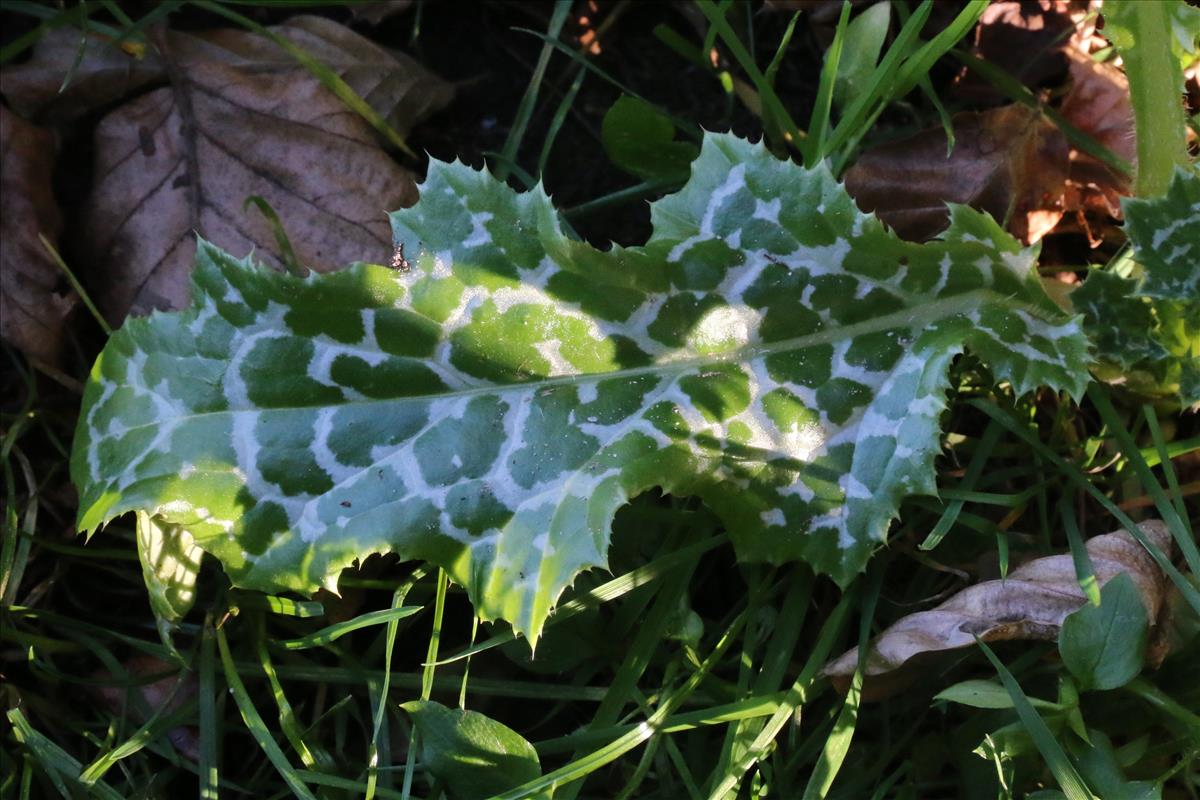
pixel 771 350
pixel 170 562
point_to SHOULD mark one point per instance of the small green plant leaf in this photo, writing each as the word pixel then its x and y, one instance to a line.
pixel 640 139
pixel 474 755
pixel 986 694
pixel 860 54
pixel 1104 647
pixel 771 350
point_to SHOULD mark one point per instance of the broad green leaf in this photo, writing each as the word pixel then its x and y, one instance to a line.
pixel 640 139
pixel 1099 766
pixel 474 755
pixel 1103 647
pixel 170 562
pixel 1147 329
pixel 771 349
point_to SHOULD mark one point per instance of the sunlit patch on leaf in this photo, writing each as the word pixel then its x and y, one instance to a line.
pixel 771 349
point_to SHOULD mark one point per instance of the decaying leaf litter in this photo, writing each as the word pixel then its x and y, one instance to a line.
pixel 237 118
pixel 224 218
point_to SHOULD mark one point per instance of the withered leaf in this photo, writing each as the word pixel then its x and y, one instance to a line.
pixel 1026 39
pixel 241 118
pixel 392 83
pixel 31 308
pixel 1007 161
pixel 103 75
pixel 1030 604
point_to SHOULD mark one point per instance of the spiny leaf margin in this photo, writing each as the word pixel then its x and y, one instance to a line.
pixel 1146 329
pixel 771 349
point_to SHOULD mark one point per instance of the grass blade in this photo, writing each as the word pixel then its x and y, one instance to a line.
pixel 508 154
pixel 254 723
pixel 838 742
pixel 339 629
pixel 1060 765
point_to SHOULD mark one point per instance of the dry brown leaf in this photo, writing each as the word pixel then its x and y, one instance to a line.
pixel 31 310
pixel 240 118
pixel 103 75
pixel 393 84
pixel 1098 104
pixel 1007 161
pixel 1024 38
pixel 1030 604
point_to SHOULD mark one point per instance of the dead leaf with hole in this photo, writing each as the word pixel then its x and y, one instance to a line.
pixel 1007 161
pixel 241 118
pixel 31 308
pixel 1030 604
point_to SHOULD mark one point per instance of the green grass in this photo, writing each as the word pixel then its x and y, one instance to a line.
pixel 678 674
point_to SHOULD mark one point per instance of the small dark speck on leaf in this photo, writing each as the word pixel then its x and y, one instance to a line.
pixel 345 504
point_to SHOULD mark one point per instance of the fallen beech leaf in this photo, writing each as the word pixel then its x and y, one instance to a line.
pixel 239 119
pixel 1030 604
pixel 1007 161
pixel 102 76
pixel 392 83
pixel 31 311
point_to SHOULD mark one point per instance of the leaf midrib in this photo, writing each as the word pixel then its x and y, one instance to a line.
pixel 908 317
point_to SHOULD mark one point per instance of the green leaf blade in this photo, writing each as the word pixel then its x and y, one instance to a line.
pixel 1104 647
pixel 771 350
pixel 475 755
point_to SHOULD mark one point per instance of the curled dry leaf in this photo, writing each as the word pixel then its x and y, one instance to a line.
pixel 1030 604
pixel 31 309
pixel 1007 161
pixel 182 160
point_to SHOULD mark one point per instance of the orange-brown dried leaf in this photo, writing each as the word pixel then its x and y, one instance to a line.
pixel 1030 604
pixel 1008 161
pixel 31 308
pixel 1097 103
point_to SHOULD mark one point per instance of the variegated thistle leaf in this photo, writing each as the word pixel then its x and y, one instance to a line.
pixel 1147 328
pixel 771 349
